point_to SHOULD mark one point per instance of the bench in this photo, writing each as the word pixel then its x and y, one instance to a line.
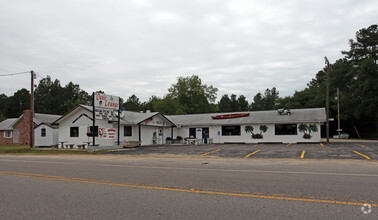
pixel 81 146
pixel 69 146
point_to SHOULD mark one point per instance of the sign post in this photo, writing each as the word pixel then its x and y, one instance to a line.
pixel 104 101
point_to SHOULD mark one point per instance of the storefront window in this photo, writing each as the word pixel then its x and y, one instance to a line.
pixel 231 130
pixel 286 129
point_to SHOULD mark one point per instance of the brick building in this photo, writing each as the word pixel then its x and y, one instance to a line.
pixel 16 131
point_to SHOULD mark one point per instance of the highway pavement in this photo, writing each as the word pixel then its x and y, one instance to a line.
pixel 203 187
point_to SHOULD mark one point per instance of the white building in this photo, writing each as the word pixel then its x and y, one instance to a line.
pixel 75 128
pixel 302 125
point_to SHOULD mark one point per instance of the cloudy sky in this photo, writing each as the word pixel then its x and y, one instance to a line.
pixel 140 47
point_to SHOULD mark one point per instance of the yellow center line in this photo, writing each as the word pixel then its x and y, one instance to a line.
pixel 289 144
pixel 303 154
pixel 360 145
pixel 322 144
pixel 252 153
pixel 238 194
pixel 210 152
pixel 362 155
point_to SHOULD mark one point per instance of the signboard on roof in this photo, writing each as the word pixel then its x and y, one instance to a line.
pixel 103 100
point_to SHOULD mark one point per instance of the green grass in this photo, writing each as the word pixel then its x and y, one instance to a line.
pixel 44 151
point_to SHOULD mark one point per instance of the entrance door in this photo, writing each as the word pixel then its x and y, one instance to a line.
pixel 198 133
pixel 205 133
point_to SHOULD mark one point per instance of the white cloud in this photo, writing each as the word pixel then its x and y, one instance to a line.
pixel 141 47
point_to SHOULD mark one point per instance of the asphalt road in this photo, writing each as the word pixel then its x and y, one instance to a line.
pixel 355 151
pixel 148 187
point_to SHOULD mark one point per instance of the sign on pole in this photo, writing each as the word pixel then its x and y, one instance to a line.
pixel 103 100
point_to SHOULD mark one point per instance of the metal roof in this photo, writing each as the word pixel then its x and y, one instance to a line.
pixel 257 117
pixel 45 118
pixel 7 124
pixel 129 117
pixel 311 115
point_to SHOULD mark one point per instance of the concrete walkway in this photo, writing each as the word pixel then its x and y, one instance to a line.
pixel 335 140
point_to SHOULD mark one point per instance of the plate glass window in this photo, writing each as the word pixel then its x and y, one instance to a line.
pixel 285 129
pixel 231 130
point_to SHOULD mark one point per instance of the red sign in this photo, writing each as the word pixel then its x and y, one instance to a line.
pixel 107 133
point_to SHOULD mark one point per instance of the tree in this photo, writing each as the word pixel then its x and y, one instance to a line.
pixel 132 103
pixel 192 96
pixel 52 98
pixel 225 104
pixel 17 103
pixel 3 102
pixel 258 103
pixel 365 45
pixel 73 96
pixel 49 97
pixel 268 101
pixel 243 103
pixel 168 105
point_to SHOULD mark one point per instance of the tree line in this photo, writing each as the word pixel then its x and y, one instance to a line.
pixel 355 74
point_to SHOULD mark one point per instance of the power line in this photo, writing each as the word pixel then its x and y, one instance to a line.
pixel 11 74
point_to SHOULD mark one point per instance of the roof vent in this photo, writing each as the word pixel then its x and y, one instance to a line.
pixel 283 111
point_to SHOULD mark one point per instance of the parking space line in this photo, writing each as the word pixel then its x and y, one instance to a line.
pixel 210 152
pixel 289 144
pixel 303 154
pixel 252 153
pixel 360 145
pixel 362 155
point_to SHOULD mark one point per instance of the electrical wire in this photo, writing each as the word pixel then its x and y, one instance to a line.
pixel 11 74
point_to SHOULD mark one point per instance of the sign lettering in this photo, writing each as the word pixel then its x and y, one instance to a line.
pixel 103 100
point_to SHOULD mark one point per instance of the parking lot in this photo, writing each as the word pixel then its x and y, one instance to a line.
pixel 356 151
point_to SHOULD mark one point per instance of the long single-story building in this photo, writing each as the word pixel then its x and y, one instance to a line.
pixel 297 125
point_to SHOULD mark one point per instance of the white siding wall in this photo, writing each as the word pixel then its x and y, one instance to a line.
pixel 83 123
pixel 50 139
pixel 268 136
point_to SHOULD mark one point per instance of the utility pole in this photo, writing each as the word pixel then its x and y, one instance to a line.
pixel 32 110
pixel 338 112
pixel 327 99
